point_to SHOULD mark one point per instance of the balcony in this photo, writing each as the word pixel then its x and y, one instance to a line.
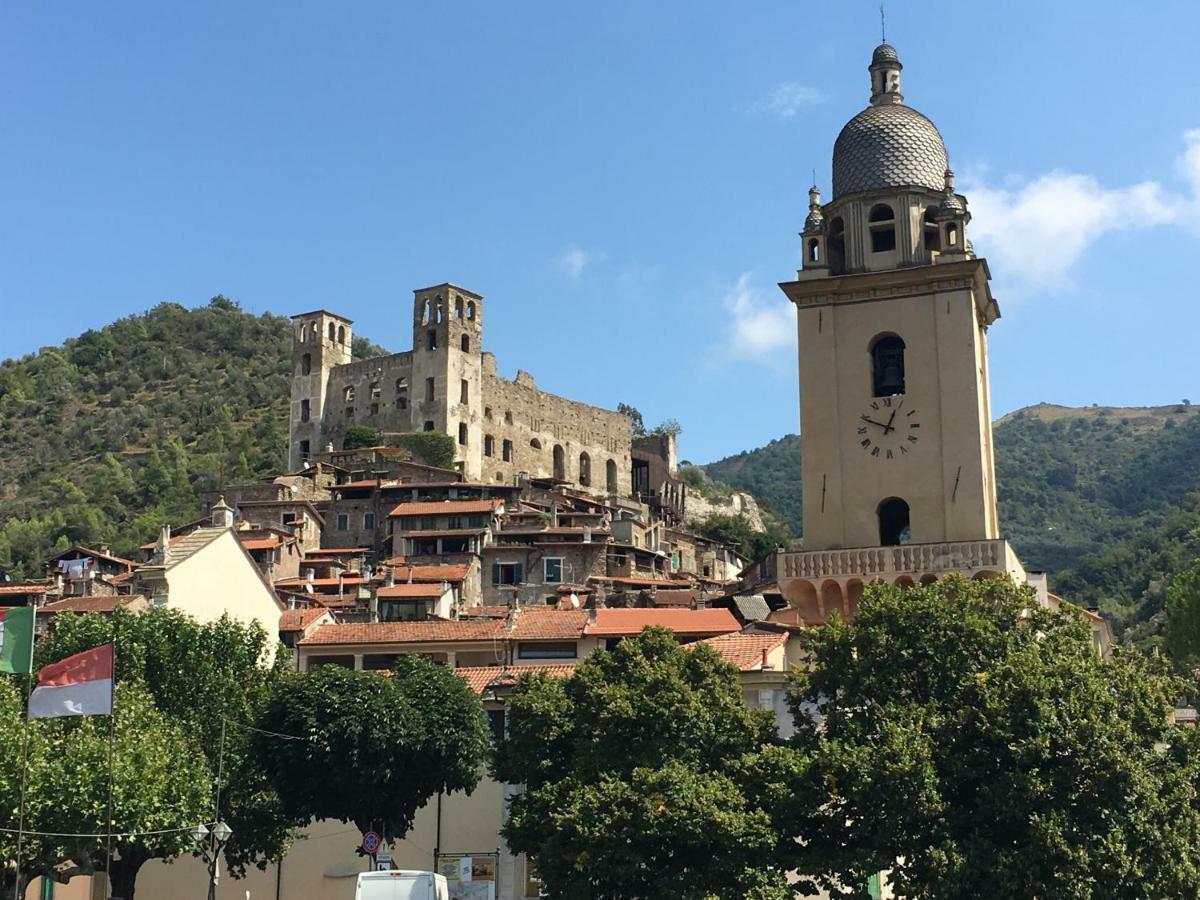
pixel 889 563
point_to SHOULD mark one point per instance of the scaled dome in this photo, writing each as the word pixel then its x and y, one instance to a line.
pixel 888 146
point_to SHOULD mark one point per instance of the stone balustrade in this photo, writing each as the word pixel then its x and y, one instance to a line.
pixel 967 557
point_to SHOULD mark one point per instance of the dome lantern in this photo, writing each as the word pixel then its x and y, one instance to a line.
pixel 885 71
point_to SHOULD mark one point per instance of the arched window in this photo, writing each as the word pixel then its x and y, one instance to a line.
pixel 348 394
pixel 306 364
pixel 893 522
pixel 560 463
pixel 535 444
pixel 814 250
pixel 458 307
pixel 465 343
pixel 402 393
pixel 883 228
pixel 952 234
pixel 376 391
pixel 341 334
pixel 462 432
pixel 930 227
pixel 471 310
pixel 585 470
pixel 887 365
pixel 332 332
pixel 426 312
pixel 441 310
pixel 837 247
pixel 610 472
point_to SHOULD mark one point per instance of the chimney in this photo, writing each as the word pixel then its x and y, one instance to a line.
pixel 766 666
pixel 222 514
pixel 162 548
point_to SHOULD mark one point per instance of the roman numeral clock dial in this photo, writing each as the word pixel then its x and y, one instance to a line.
pixel 888 429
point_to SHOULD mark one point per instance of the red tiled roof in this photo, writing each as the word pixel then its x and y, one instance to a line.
pixel 540 623
pixel 432 631
pixel 451 573
pixel 447 507
pixel 663 584
pixel 268 543
pixel 479 678
pixel 368 483
pixel 349 580
pixel 335 551
pixel 745 651
pixel 22 589
pixel 300 619
pixel 406 591
pixel 101 603
pixel 678 599
pixel 442 532
pixel 486 612
pixel 96 553
pixel 680 621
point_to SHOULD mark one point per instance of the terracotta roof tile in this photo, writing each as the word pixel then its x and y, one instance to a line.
pixel 300 619
pixel 451 573
pixel 447 507
pixel 411 591
pixel 681 621
pixel 101 603
pixel 22 589
pixel 549 624
pixel 486 612
pixel 318 582
pixel 432 631
pixel 479 678
pixel 745 651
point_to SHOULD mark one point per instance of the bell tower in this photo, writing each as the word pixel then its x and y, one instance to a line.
pixel 320 343
pixel 893 310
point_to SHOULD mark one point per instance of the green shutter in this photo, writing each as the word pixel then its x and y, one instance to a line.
pixel 495 573
pixel 520 573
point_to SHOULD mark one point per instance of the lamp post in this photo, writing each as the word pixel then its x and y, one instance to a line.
pixel 211 840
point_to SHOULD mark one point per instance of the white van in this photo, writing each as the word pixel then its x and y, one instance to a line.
pixel 401 885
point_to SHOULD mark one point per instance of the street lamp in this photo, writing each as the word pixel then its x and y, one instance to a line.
pixel 211 840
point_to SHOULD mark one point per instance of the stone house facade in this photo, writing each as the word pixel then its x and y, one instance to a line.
pixel 446 383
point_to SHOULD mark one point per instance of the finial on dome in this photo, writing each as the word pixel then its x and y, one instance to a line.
pixel 815 218
pixel 885 75
pixel 951 206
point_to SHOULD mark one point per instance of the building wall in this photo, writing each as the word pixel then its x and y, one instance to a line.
pixel 580 561
pixel 444 316
pixel 221 579
pixel 946 474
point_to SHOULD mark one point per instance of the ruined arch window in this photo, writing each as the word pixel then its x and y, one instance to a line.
pixel 837 246
pixel 929 227
pixel 465 343
pixel 376 391
pixel 332 332
pixel 458 307
pixel 882 223
pixel 506 450
pixel 887 365
pixel 585 470
pixel 305 410
pixel 471 310
pixel 893 522
pixel 306 364
pixel 489 445
pixel 610 476
pixel 401 393
pixel 462 433
pixel 348 393
pixel 426 312
pixel 441 310
pixel 560 463
pixel 535 444
pixel 341 334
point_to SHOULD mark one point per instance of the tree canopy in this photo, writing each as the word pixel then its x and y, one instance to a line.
pixel 378 747
pixel 978 747
pixel 633 768
pixel 1183 618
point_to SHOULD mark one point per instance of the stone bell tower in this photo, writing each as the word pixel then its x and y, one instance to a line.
pixel 893 309
pixel 320 343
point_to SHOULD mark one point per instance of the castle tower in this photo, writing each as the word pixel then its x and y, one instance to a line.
pixel 447 380
pixel 320 342
pixel 893 309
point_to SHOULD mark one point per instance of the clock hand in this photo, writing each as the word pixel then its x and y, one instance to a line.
pixel 888 427
pixel 873 422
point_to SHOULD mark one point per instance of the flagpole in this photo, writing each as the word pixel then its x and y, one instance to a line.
pixel 112 729
pixel 24 760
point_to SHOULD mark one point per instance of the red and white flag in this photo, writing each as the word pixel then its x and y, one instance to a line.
pixel 80 685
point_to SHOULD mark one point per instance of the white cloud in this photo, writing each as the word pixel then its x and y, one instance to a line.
pixel 786 100
pixel 760 325
pixel 1036 232
pixel 574 260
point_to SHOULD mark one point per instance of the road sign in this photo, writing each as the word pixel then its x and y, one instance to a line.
pixel 370 841
pixel 384 863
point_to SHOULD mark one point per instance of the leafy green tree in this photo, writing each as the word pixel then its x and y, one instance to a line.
pixel 357 436
pixel 1183 618
pixel 212 680
pixel 978 747
pixel 735 530
pixel 379 747
pixel 636 423
pixel 634 770
pixel 433 448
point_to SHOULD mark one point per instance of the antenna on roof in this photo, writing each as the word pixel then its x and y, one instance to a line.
pixel 882 25
pixel 814 181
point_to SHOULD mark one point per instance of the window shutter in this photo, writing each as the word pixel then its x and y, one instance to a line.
pixel 520 573
pixel 495 573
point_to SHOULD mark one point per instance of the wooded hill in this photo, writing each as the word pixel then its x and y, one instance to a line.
pixel 123 428
pixel 1107 500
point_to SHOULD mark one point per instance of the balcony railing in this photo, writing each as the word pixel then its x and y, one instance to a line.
pixel 957 556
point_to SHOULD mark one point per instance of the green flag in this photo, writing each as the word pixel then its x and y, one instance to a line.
pixel 16 639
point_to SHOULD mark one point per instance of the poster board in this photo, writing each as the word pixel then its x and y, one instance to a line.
pixel 470 876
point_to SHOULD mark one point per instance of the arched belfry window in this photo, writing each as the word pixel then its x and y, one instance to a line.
pixel 341 334
pixel 893 522
pixel 458 306
pixel 814 250
pixel 837 247
pixel 882 222
pixel 887 366
pixel 585 470
pixel 471 310
pixel 610 476
pixel 930 227
pixel 332 332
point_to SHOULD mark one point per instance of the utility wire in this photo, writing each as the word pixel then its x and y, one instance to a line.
pixel 104 833
pixel 275 734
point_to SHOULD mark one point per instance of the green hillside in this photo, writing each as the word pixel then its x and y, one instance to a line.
pixel 1099 497
pixel 121 429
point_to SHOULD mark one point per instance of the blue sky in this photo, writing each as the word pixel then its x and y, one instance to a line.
pixel 622 181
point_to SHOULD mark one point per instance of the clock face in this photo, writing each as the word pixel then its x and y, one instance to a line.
pixel 889 429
